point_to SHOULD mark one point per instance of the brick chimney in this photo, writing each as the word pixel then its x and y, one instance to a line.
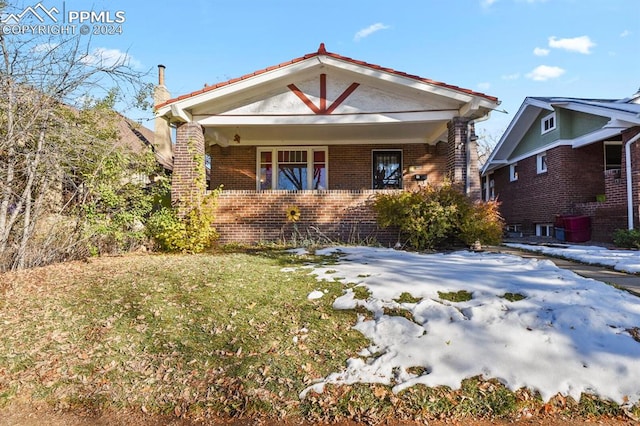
pixel 162 137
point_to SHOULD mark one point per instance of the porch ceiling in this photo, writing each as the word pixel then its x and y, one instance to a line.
pixel 327 134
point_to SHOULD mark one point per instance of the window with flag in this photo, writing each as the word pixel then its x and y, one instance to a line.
pixel 387 169
pixel 292 169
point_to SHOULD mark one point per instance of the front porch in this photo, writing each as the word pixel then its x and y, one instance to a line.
pixel 251 217
pixel 325 133
pixel 610 212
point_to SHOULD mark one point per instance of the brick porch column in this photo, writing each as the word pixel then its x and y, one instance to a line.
pixel 462 143
pixel 475 182
pixel 188 181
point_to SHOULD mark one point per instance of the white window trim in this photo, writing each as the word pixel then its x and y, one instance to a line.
pixel 401 163
pixel 540 226
pixel 545 119
pixel 274 163
pixel 513 174
pixel 541 167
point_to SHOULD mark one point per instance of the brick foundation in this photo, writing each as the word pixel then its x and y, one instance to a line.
pixel 339 216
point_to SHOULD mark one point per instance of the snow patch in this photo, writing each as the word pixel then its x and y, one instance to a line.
pixel 567 335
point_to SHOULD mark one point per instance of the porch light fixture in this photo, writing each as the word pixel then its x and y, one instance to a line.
pixel 236 138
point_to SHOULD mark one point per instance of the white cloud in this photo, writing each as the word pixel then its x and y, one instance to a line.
pixel 104 57
pixel 365 32
pixel 44 47
pixel 581 44
pixel 484 86
pixel 625 33
pixel 545 72
pixel 514 76
pixel 538 51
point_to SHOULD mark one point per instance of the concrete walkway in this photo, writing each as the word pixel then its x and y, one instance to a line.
pixel 629 282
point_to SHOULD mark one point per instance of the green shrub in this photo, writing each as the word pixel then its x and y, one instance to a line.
pixel 192 234
pixel 439 216
pixel 627 238
pixel 483 223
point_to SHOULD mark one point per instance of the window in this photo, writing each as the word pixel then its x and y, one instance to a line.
pixel 514 227
pixel 548 123
pixel 513 172
pixel 514 230
pixel 207 168
pixel 387 169
pixel 488 188
pixel 292 168
pixel 612 155
pixel 544 230
pixel 541 162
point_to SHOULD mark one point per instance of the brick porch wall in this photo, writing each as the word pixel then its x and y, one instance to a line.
pixel 339 215
pixel 610 215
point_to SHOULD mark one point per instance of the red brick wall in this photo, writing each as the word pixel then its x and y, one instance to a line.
pixel 349 165
pixel 233 166
pixel 573 176
pixel 340 216
pixel 610 215
pixel 188 165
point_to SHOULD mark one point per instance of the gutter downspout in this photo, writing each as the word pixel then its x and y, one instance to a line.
pixel 627 153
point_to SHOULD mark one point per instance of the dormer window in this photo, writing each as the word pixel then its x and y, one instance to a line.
pixel 548 123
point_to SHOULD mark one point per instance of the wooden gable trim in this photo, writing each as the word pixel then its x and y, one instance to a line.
pixel 323 110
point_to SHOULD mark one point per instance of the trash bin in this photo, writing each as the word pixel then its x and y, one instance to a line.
pixel 577 229
pixel 560 234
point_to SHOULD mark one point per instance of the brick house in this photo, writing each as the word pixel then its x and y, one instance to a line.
pixel 568 157
pixel 322 132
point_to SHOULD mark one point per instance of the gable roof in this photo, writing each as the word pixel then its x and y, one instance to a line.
pixel 622 114
pixel 138 138
pixel 323 52
pixel 300 100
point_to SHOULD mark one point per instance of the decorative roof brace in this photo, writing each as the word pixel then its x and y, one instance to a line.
pixel 323 110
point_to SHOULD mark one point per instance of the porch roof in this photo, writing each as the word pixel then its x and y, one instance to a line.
pixel 284 104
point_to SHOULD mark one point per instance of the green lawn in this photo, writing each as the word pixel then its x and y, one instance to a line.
pixel 212 334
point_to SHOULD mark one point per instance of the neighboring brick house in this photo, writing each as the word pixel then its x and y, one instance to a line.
pixel 325 133
pixel 567 157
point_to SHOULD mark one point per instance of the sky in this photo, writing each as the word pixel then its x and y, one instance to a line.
pixel 568 335
pixel 509 49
